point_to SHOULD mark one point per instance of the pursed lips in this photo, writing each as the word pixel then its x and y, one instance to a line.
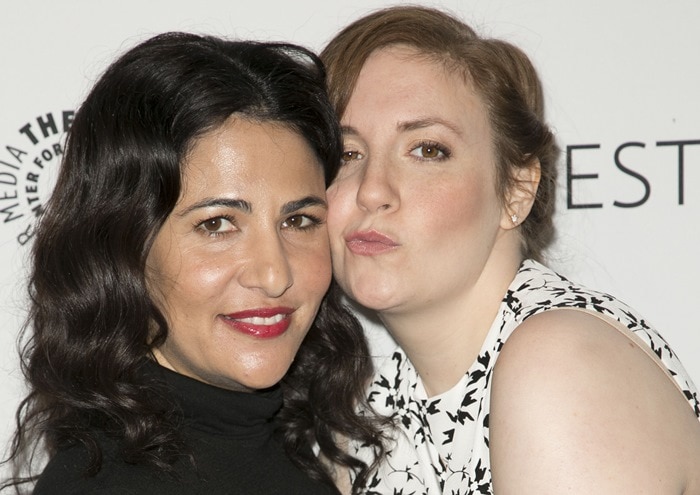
pixel 369 243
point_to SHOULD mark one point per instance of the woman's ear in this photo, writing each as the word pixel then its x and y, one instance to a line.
pixel 521 194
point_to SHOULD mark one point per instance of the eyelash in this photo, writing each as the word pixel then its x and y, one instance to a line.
pixel 201 226
pixel 313 219
pixel 444 152
pixel 351 155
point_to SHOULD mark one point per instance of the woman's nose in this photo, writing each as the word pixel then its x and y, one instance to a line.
pixel 269 269
pixel 377 188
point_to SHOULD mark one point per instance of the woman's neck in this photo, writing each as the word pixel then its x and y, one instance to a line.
pixel 442 339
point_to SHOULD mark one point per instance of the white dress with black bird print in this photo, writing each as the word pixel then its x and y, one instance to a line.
pixel 442 443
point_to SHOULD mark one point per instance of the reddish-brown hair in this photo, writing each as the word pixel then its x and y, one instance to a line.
pixel 503 76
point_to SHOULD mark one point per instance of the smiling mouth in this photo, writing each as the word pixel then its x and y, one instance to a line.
pixel 260 320
pixel 261 323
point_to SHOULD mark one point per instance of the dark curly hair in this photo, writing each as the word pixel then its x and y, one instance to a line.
pixel 502 75
pixel 89 332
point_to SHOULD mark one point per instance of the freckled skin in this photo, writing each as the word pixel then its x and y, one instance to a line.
pixel 442 208
pixel 419 168
pixel 420 171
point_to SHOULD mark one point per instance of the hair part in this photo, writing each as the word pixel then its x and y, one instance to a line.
pixel 502 75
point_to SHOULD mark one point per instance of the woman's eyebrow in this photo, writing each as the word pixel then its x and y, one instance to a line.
pixel 410 125
pixel 422 123
pixel 238 204
pixel 348 130
pixel 298 204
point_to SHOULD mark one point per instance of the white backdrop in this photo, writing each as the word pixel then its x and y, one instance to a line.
pixel 622 79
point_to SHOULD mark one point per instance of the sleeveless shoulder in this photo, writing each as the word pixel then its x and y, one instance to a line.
pixel 441 444
pixel 536 289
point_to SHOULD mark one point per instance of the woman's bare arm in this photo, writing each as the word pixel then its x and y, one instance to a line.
pixel 578 408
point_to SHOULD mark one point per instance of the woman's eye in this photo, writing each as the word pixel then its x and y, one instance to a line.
pixel 216 226
pixel 300 222
pixel 430 151
pixel 349 156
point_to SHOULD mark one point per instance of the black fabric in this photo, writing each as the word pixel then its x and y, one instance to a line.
pixel 232 440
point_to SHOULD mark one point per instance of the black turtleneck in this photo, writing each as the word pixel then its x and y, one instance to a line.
pixel 231 437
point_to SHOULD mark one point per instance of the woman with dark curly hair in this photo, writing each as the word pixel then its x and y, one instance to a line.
pixel 509 378
pixel 179 338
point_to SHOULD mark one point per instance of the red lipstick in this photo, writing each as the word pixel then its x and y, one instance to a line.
pixel 263 323
pixel 369 243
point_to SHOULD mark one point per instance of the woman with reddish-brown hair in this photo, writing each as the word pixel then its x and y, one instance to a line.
pixel 508 378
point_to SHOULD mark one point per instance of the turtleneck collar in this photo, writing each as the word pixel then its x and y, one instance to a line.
pixel 220 411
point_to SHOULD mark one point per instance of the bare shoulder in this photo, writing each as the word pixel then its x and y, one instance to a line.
pixel 577 407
